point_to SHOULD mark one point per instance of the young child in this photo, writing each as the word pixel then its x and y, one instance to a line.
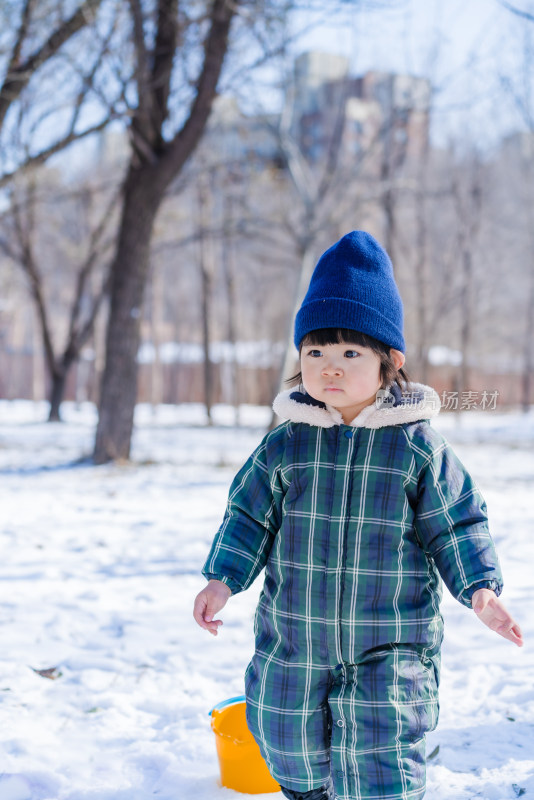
pixel 357 509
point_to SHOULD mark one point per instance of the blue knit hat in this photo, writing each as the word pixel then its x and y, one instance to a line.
pixel 353 287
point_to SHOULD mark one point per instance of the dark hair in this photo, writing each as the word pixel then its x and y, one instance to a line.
pixel 389 374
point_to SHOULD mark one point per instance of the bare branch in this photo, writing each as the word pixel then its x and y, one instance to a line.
pixel 88 80
pixel 164 49
pixel 334 147
pixel 517 11
pixel 7 247
pixel 94 251
pixel 299 170
pixel 215 48
pixel 141 122
pixel 519 102
pixel 29 266
pixel 18 77
pixel 21 36
pixel 86 330
pixel 331 172
pixel 44 155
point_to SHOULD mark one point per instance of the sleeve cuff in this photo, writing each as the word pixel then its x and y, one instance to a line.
pixel 467 595
pixel 230 582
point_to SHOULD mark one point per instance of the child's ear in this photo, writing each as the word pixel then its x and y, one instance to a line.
pixel 398 358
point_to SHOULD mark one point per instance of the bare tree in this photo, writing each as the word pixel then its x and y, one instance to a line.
pixel 163 136
pixel 520 91
pixel 468 205
pixel 51 96
pixel 359 168
pixel 229 275
pixel 320 189
pixel 155 162
pixel 20 241
pixel 205 191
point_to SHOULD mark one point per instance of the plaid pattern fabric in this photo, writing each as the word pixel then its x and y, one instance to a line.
pixel 355 527
pixel 363 724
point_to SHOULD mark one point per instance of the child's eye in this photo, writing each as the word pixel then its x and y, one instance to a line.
pixel 351 354
pixel 314 353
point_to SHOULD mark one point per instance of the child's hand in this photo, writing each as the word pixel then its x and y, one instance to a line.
pixel 208 602
pixel 492 613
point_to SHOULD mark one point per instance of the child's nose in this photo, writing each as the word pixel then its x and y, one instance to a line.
pixel 332 367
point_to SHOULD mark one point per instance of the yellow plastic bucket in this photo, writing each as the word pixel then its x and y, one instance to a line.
pixel 241 763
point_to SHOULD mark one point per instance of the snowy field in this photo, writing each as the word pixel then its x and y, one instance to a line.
pixel 100 567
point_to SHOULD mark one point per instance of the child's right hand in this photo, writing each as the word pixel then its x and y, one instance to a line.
pixel 208 602
pixel 492 613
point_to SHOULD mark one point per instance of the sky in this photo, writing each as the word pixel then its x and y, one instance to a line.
pixel 471 50
pixel 468 48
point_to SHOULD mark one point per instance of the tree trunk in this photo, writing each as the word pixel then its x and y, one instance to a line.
pixel 156 318
pixel 469 217
pixel 420 270
pixel 59 380
pixel 389 223
pixel 142 196
pixel 308 262
pixel 38 367
pixel 421 266
pixel 229 278
pixel 206 337
pixel 154 164
pixel 206 278
pixel 287 368
pixel 466 329
pixel 422 310
pixel 528 358
pixel 59 372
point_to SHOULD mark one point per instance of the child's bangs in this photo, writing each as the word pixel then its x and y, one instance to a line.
pixel 324 336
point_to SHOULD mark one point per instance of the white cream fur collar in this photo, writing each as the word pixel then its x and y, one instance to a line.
pixel 391 408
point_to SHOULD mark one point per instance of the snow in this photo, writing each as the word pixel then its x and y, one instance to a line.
pixel 262 354
pixel 440 355
pixel 100 569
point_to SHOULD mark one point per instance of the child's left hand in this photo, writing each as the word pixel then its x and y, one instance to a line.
pixel 492 613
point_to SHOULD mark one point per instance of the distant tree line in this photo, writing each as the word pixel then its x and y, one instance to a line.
pixel 180 227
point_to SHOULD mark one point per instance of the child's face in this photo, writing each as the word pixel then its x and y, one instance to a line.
pixel 345 376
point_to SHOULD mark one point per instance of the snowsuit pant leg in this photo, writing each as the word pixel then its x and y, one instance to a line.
pixel 381 709
pixel 364 724
pixel 289 717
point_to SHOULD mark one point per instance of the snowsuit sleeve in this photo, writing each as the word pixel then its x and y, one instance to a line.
pixel 451 521
pixel 242 545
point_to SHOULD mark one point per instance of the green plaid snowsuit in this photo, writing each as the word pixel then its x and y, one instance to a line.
pixel 354 526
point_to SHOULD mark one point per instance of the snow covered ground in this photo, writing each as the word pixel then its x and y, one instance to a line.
pixel 100 566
